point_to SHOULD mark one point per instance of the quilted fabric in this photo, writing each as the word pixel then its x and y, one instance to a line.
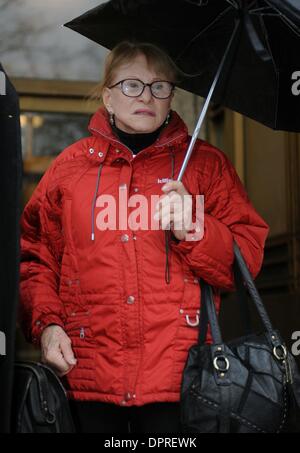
pixel 130 329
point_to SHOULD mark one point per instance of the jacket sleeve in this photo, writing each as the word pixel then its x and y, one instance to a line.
pixel 41 252
pixel 228 215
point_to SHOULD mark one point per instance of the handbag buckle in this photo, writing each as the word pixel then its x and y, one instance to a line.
pixel 221 363
pixel 280 352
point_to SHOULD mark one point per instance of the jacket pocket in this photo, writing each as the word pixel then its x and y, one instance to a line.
pixel 78 326
pixel 78 329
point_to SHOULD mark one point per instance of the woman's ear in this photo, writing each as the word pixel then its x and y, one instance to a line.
pixel 106 96
pixel 171 98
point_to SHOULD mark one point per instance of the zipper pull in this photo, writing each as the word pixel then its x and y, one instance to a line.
pixel 82 333
pixel 288 371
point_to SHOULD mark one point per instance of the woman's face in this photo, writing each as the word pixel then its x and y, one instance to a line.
pixel 140 114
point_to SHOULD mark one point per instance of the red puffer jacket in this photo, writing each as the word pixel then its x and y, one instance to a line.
pixel 130 326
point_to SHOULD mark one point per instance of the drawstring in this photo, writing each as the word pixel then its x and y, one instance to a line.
pixel 167 271
pixel 94 202
pixel 173 164
pixel 168 232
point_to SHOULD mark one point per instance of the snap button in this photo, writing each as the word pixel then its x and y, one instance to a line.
pixel 125 238
pixel 127 396
pixel 136 189
pixel 134 237
pixel 91 150
pixel 100 154
pixel 195 280
pixel 38 323
pixel 181 311
pixel 118 151
pixel 130 300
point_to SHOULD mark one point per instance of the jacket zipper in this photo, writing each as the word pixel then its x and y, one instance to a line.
pixel 82 333
pixel 122 144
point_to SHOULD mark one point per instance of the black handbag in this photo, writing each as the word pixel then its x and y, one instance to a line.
pixel 248 385
pixel 40 404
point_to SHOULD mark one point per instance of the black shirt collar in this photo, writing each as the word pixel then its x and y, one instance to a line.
pixel 137 142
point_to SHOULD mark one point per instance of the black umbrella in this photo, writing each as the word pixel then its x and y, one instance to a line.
pixel 244 54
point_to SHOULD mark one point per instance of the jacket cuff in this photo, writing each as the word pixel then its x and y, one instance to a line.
pixel 185 246
pixel 40 325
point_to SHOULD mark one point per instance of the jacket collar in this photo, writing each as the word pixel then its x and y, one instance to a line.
pixel 173 135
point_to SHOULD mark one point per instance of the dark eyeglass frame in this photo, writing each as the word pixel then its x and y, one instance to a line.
pixel 144 86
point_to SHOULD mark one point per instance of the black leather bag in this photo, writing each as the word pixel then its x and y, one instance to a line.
pixel 40 404
pixel 249 385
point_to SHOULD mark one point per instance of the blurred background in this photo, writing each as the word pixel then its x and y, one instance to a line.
pixel 53 70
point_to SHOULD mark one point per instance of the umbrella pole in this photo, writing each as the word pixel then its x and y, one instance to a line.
pixel 206 105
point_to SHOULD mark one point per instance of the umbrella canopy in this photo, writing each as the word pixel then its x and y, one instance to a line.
pixel 260 75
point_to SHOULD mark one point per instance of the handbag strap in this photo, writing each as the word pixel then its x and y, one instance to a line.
pixel 254 294
pixel 243 279
pixel 242 296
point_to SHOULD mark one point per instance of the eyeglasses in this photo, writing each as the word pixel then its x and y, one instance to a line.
pixel 133 88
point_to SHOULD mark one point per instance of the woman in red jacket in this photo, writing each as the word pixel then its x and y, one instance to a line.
pixel 115 307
